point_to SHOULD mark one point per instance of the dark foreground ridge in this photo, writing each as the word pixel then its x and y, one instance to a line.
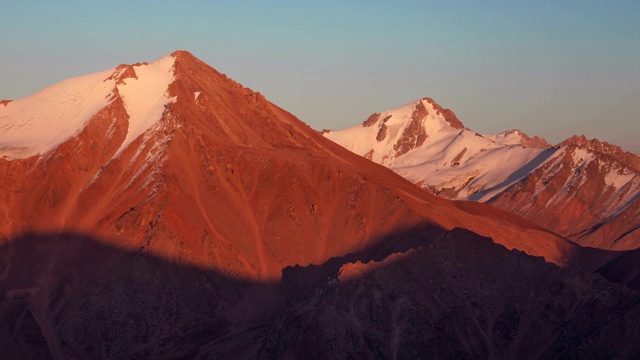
pixel 453 295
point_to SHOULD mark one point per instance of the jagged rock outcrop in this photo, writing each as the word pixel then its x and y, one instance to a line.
pixel 603 147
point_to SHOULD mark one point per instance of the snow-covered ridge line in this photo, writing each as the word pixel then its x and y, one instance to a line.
pixel 40 122
pixel 37 124
pixel 419 142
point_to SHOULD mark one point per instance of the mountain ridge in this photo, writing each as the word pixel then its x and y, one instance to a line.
pixel 605 148
pixel 522 175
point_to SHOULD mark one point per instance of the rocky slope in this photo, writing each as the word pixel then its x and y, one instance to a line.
pixel 582 189
pixel 174 213
pixel 585 195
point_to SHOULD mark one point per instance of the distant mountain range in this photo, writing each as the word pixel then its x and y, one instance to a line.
pixel 585 190
pixel 162 210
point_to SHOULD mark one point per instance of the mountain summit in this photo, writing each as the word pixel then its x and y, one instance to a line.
pixel 429 146
pixel 128 99
pixel 398 131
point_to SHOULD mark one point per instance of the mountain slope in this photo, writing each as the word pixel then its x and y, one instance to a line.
pixel 188 215
pixel 584 190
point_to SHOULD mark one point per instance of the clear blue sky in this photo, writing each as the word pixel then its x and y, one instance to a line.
pixel 549 68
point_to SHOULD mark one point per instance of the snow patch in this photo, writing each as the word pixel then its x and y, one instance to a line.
pixel 512 137
pixel 581 157
pixel 146 97
pixel 618 180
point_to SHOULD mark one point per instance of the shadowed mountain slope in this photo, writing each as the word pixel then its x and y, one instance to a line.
pixel 456 295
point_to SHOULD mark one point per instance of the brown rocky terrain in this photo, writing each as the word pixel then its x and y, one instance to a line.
pixel 230 229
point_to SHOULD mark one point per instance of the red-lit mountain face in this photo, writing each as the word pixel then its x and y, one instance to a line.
pixel 587 191
pixel 213 165
pixel 163 210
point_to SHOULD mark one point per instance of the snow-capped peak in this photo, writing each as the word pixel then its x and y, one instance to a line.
pixel 429 146
pixel 398 131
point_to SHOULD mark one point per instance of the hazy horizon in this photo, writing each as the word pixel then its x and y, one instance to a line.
pixel 549 69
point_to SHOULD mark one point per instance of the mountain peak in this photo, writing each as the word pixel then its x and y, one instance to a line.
pixel 418 112
pixel 396 132
pixel 583 141
pixel 187 59
pixel 448 115
pixel 517 137
pixel 428 145
pixel 605 148
pixel 183 54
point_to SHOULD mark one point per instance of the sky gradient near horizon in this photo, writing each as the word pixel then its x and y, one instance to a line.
pixel 548 68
